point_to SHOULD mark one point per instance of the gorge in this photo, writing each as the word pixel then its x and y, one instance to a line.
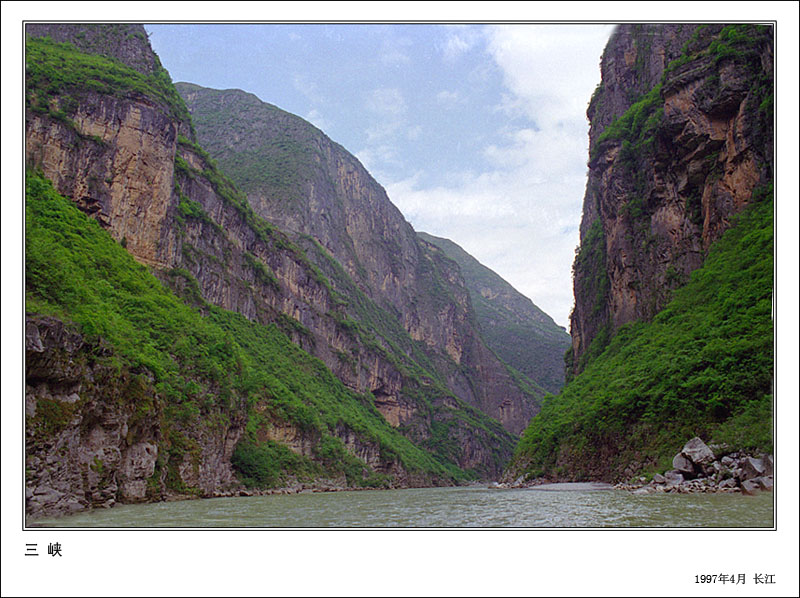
pixel 221 300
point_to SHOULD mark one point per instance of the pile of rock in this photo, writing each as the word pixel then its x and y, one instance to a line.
pixel 697 469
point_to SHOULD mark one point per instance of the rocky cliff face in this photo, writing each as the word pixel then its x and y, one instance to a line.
pixel 125 42
pixel 122 148
pixel 521 334
pixel 681 135
pixel 309 186
pixel 94 433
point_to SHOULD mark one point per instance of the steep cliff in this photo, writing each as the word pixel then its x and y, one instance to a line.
pixel 672 332
pixel 520 333
pixel 309 186
pixel 109 130
pixel 681 135
pixel 160 397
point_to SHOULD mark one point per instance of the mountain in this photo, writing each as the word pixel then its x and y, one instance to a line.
pixel 672 333
pixel 520 333
pixel 324 199
pixel 680 136
pixel 184 338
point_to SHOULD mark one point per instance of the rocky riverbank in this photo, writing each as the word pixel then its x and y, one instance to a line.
pixel 696 468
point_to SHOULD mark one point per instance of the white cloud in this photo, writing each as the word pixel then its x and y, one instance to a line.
pixel 499 221
pixel 547 68
pixel 520 215
pixel 460 39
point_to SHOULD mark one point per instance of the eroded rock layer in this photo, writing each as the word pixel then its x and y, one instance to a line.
pixel 681 135
pixel 388 315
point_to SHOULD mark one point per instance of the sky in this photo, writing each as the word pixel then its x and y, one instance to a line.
pixel 478 133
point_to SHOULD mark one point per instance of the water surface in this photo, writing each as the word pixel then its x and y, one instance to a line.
pixel 554 505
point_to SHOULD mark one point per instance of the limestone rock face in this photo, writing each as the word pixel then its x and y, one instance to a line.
pixel 117 165
pixel 132 164
pixel 320 194
pixel 658 196
pixel 93 431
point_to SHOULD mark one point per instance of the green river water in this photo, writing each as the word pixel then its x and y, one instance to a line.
pixel 553 506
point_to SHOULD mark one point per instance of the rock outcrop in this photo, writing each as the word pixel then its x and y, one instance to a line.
pixel 681 136
pixel 94 435
pixel 697 469
pixel 310 187
pixel 520 333
pixel 123 150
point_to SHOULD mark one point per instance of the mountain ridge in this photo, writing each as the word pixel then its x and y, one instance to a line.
pixel 672 331
pixel 204 393
pixel 347 213
pixel 519 332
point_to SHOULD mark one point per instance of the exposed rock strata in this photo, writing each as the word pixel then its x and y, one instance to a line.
pixel 130 163
pixel 650 214
pixel 94 432
pixel 309 186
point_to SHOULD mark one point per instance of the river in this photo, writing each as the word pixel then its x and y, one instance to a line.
pixel 551 506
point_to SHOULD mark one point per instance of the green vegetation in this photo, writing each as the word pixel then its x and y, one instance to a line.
pixel 51 418
pixel 636 127
pixel 703 366
pixel 277 157
pixel 263 464
pixel 736 41
pixel 58 73
pixel 520 334
pixel 379 330
pixel 206 370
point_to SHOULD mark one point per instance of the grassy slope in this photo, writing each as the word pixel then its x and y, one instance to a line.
pixel 59 71
pixel 703 366
pixel 281 159
pixel 77 272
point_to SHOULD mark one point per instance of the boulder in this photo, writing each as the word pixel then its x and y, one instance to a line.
pixel 659 479
pixel 682 464
pixel 750 487
pixel 673 478
pixel 765 482
pixel 768 466
pixel 729 483
pixel 752 468
pixel 698 452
